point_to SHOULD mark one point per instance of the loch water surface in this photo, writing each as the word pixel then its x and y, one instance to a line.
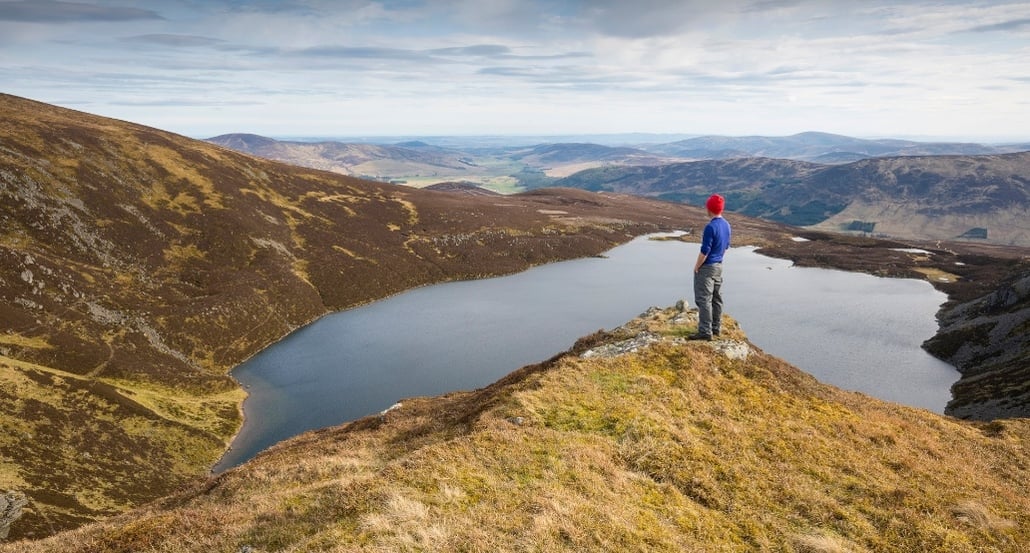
pixel 852 330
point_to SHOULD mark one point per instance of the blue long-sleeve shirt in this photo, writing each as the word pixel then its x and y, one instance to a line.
pixel 715 240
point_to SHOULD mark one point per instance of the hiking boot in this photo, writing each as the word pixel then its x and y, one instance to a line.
pixel 699 336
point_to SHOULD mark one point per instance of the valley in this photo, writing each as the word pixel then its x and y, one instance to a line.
pixel 140 266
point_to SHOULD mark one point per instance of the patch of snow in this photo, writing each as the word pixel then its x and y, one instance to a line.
pixel 911 250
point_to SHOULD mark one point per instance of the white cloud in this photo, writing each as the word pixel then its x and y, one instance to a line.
pixel 546 66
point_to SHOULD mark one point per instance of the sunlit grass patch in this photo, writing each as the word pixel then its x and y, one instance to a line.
pixel 211 413
pixel 410 208
pixel 936 275
pixel 353 255
pixel 183 171
pixel 17 339
pixel 178 255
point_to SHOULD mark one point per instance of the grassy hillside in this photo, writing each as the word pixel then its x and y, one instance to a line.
pixel 675 446
pixel 137 267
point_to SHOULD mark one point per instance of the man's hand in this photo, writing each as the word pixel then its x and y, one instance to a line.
pixel 700 261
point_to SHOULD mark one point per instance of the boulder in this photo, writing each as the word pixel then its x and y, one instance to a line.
pixel 11 504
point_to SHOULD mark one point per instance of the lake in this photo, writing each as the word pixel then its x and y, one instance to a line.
pixel 852 330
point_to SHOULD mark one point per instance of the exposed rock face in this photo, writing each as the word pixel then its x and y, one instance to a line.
pixel 986 340
pixel 11 504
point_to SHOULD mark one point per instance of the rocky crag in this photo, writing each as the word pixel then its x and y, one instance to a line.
pixel 11 504
pixel 985 339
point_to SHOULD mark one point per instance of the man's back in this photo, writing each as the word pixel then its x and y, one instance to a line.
pixel 715 240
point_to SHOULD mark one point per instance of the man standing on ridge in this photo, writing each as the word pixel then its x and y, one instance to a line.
pixel 708 271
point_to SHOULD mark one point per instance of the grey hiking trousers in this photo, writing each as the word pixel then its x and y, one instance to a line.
pixel 708 298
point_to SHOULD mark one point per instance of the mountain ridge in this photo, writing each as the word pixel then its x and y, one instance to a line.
pixel 918 197
pixel 893 188
pixel 513 163
pixel 812 146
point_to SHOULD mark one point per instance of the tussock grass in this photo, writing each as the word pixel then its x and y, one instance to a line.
pixel 818 543
pixel 674 448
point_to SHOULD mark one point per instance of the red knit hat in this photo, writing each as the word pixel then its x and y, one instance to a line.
pixel 715 204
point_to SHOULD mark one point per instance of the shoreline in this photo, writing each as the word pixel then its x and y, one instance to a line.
pixel 937 407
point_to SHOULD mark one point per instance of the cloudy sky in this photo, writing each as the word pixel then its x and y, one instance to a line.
pixel 903 68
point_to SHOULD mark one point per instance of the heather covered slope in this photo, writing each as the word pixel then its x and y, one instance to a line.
pixel 678 446
pixel 137 267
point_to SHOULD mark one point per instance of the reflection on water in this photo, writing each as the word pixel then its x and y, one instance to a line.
pixel 852 330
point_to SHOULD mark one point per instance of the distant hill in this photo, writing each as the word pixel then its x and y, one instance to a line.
pixel 816 146
pixel 567 158
pixel 416 160
pixel 517 167
pixel 461 188
pixel 917 197
pixel 365 160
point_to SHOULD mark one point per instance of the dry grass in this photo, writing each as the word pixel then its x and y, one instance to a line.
pixel 353 255
pixel 18 340
pixel 181 170
pixel 821 543
pixel 179 255
pixel 204 412
pixel 936 275
pixel 675 448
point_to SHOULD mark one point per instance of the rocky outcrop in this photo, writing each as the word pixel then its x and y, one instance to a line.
pixel 986 340
pixel 669 325
pixel 11 504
